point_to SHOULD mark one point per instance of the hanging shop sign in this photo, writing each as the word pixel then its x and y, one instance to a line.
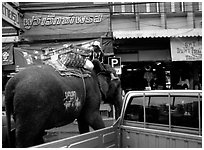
pixel 186 49
pixel 7 54
pixel 49 23
pixel 25 58
pixel 10 14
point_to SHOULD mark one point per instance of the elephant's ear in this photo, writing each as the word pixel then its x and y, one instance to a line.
pixel 103 85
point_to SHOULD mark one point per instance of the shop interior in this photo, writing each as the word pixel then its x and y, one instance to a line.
pixel 161 75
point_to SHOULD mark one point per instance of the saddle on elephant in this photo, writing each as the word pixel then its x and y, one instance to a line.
pixel 70 60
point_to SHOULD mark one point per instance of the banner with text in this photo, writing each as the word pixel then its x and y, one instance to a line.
pixel 57 23
pixel 186 49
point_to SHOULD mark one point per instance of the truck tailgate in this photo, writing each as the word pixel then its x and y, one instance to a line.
pixel 103 138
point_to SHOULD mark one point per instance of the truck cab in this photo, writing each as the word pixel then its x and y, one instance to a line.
pixel 149 119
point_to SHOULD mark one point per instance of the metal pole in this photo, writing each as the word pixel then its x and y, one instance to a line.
pixel 113 112
pixel 199 114
pixel 144 110
pixel 169 111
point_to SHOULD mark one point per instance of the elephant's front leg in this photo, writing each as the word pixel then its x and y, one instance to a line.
pixel 82 125
pixel 90 119
pixel 95 120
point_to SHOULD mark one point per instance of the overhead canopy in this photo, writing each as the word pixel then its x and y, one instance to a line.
pixel 158 33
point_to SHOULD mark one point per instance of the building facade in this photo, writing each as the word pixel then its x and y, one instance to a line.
pixel 159 44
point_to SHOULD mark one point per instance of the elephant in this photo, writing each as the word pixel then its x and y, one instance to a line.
pixel 39 98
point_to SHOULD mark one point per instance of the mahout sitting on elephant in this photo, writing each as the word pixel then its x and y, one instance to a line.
pixel 39 98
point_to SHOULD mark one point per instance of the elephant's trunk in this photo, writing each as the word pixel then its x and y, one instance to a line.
pixel 118 105
pixel 118 108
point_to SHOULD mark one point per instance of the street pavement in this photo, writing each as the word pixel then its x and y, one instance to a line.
pixel 69 130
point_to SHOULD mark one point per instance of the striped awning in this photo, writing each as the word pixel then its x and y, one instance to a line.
pixel 158 33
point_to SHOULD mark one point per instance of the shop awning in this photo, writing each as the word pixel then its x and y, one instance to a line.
pixel 158 33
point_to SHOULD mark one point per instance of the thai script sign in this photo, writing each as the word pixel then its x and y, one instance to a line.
pixel 186 49
pixel 52 20
pixel 61 23
pixel 10 14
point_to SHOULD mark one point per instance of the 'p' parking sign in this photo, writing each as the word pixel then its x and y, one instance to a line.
pixel 115 62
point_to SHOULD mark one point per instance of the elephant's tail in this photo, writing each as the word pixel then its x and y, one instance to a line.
pixel 9 95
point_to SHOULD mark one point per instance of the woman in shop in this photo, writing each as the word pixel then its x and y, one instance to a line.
pixel 183 84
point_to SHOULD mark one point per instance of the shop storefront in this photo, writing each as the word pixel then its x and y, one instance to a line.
pixel 157 61
pixel 143 61
pixel 186 56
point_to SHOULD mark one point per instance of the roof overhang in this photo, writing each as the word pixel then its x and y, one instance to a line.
pixel 165 33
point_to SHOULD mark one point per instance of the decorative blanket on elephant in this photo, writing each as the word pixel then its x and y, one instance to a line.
pixel 68 71
pixel 69 60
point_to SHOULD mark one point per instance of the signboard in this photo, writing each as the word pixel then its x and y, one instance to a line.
pixel 7 54
pixel 115 62
pixel 25 58
pixel 10 14
pixel 186 49
pixel 65 22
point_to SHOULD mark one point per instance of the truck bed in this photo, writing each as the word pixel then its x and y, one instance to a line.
pixel 103 138
pixel 149 119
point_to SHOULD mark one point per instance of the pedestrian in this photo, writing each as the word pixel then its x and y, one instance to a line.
pixel 97 51
pixel 183 84
pixel 98 56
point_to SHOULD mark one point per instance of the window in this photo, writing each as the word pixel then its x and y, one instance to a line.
pixel 197 6
pixel 129 8
pixel 200 6
pixel 140 7
pixel 175 7
pixel 121 7
pixel 117 8
pixel 148 8
pixel 153 107
pixel 174 113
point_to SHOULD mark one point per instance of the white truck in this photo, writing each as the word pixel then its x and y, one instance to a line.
pixel 149 119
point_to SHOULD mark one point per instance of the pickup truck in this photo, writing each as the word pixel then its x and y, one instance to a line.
pixel 149 119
